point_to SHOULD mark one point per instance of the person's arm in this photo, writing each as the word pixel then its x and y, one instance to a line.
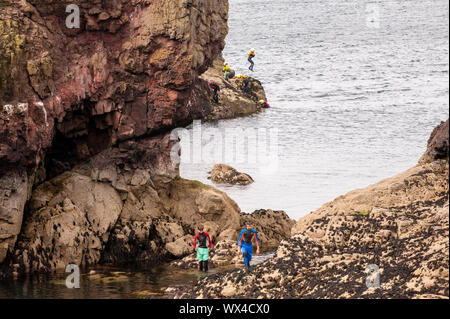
pixel 257 239
pixel 209 238
pixel 195 239
pixel 240 238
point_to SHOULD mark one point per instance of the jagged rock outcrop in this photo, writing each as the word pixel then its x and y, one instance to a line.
pixel 225 174
pixel 399 226
pixel 233 102
pixel 129 73
pixel 107 210
pixel 437 144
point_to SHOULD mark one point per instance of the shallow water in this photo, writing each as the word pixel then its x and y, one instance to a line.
pixel 109 282
pixel 354 101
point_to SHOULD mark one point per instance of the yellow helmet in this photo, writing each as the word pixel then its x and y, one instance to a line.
pixel 261 101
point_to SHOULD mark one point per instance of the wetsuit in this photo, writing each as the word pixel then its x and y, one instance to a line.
pixel 216 88
pixel 264 105
pixel 245 87
pixel 250 57
pixel 202 250
pixel 245 242
pixel 226 70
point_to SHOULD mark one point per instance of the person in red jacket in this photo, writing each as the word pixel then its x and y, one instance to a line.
pixel 203 240
pixel 216 88
pixel 263 104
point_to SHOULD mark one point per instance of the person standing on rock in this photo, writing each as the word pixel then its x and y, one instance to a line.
pixel 245 83
pixel 226 71
pixel 213 85
pixel 263 104
pixel 203 240
pixel 251 55
pixel 245 245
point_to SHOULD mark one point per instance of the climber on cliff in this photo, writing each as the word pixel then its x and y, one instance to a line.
pixel 263 104
pixel 251 55
pixel 213 85
pixel 245 245
pixel 226 70
pixel 245 82
pixel 202 249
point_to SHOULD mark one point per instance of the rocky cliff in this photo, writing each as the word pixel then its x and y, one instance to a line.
pixel 86 174
pixel 128 73
pixel 389 240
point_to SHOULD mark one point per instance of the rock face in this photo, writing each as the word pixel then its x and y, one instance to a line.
pixel 437 144
pixel 111 86
pixel 399 226
pixel 272 227
pixel 225 174
pixel 105 211
pixel 233 102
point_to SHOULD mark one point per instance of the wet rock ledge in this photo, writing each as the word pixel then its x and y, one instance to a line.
pixel 399 226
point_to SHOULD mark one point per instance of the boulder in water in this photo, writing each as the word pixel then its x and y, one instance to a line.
pixel 222 173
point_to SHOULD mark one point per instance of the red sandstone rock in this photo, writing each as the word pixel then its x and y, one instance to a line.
pixel 129 72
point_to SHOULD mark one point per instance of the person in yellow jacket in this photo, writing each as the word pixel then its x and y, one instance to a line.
pixel 263 104
pixel 226 70
pixel 245 81
pixel 251 55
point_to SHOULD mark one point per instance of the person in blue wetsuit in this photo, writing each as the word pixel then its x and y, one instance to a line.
pixel 245 245
pixel 251 55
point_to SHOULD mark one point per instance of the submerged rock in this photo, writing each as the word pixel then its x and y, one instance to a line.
pixel 225 174
pixel 398 227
